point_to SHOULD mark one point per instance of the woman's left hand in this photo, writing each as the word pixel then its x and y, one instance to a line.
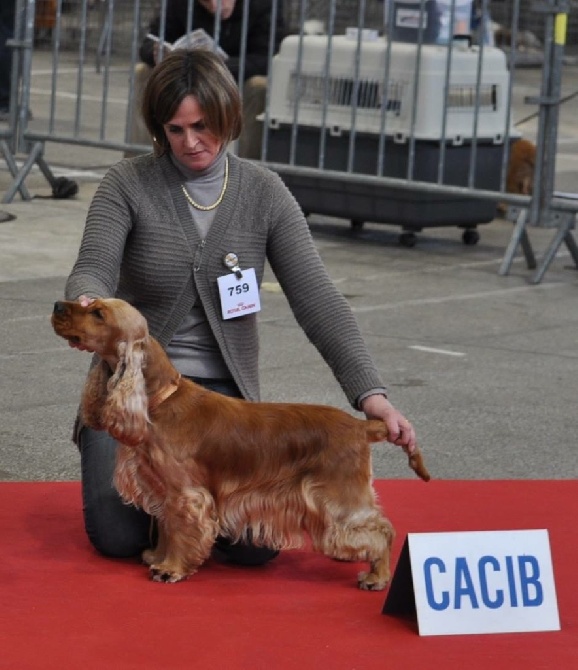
pixel 400 431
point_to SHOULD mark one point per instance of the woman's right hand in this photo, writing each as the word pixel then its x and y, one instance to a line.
pixel 85 301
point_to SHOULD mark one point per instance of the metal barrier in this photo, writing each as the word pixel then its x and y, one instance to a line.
pixel 8 137
pixel 411 129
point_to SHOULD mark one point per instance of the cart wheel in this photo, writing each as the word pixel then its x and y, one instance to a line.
pixel 408 240
pixel 470 236
pixel 356 224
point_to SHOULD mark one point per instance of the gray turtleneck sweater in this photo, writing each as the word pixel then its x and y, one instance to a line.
pixel 140 244
pixel 193 348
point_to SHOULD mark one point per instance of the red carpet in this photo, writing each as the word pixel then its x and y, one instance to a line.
pixel 64 607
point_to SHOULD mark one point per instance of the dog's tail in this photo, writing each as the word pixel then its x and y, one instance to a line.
pixel 377 432
pixel 418 466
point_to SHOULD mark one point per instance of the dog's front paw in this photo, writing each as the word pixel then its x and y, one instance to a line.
pixel 167 574
pixel 369 581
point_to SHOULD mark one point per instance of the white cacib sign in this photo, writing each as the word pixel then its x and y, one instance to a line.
pixel 480 582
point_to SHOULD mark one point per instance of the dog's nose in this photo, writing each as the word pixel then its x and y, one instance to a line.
pixel 59 307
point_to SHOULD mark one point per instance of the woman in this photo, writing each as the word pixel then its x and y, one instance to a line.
pixel 160 231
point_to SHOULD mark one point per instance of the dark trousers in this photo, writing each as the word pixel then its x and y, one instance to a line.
pixel 6 32
pixel 119 530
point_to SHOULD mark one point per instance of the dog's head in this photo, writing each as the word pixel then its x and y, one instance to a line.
pixel 105 326
pixel 114 397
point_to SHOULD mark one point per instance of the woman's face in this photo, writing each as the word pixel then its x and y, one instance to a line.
pixel 191 143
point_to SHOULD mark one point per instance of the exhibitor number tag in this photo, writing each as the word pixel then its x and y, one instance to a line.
pixel 239 295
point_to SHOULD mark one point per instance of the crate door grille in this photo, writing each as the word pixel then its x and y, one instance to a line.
pixel 341 92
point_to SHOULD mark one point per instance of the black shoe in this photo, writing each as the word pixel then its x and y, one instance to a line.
pixel 224 551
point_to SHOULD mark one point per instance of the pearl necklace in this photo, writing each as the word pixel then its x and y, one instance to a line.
pixel 208 208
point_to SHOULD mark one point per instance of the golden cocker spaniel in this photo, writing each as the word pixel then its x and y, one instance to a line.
pixel 204 464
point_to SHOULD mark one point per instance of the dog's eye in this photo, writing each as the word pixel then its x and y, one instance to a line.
pixel 97 313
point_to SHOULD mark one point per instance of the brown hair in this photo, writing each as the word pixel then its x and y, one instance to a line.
pixel 202 74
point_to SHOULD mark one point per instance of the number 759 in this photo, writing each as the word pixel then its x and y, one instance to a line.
pixel 238 289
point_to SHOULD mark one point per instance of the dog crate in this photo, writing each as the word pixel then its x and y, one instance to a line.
pixel 357 105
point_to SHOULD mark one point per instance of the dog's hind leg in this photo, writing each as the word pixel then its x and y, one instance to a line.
pixel 362 535
pixel 379 557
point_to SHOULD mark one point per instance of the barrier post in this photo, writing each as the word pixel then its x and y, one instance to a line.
pixel 542 210
pixel 11 141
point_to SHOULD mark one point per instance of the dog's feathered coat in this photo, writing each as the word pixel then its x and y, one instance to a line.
pixel 204 464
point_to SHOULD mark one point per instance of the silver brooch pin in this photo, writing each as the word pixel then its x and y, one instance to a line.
pixel 231 261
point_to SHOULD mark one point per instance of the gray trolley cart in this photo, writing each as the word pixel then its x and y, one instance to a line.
pixel 325 107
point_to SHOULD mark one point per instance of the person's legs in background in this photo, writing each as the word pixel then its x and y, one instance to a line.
pixel 254 98
pixel 481 24
pixel 7 12
pixel 138 133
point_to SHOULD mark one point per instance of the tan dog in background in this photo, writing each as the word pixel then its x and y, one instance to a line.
pixel 521 167
pixel 206 465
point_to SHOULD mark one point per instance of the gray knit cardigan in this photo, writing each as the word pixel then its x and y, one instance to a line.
pixel 140 244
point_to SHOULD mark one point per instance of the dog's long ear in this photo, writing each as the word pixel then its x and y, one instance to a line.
pixel 125 411
pixel 94 396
